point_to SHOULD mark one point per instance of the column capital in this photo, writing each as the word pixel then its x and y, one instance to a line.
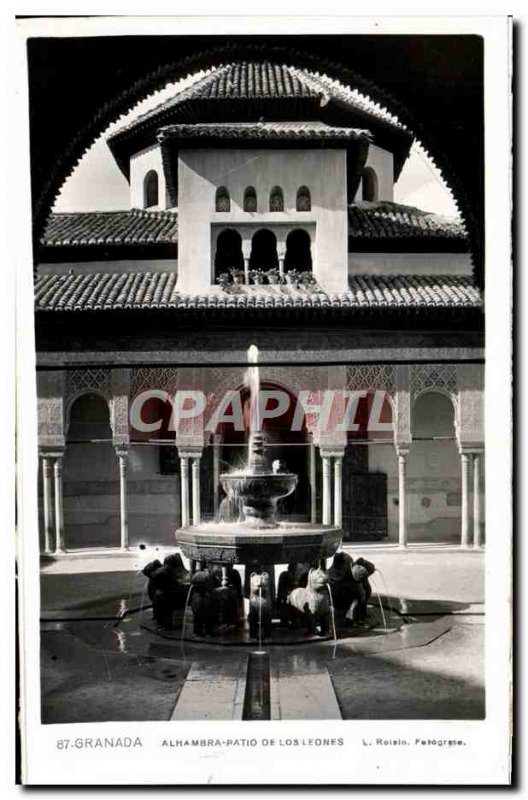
pixel 190 452
pixel 402 450
pixel 331 452
pixel 51 452
pixel 470 448
pixel 121 450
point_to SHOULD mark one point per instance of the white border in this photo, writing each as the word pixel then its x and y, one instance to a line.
pixel 485 759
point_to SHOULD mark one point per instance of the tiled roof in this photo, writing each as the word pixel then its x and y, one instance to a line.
pixel 238 80
pixel 157 290
pixel 111 228
pixel 384 220
pixel 250 87
pixel 368 221
pixel 244 80
pixel 262 130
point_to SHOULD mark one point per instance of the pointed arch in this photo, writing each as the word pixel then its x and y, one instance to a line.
pixel 466 195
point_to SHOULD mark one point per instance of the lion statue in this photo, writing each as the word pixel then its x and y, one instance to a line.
pixel 227 599
pixel 168 584
pixel 260 605
pixel 360 571
pixel 202 603
pixel 310 606
pixel 296 575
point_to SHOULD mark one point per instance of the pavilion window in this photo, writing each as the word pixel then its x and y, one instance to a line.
pixel 304 200
pixel 228 255
pixel 151 189
pixel 264 250
pixel 223 201
pixel 370 185
pixel 298 251
pixel 276 202
pixel 250 199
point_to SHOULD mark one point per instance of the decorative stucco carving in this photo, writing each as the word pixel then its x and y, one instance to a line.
pixel 50 409
pixel 119 416
pixel 143 378
pixel 50 412
pixel 434 377
pixel 371 376
pixel 402 408
pixel 470 407
pixel 89 379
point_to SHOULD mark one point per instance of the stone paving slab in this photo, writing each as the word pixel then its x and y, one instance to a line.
pixel 304 696
pixel 212 692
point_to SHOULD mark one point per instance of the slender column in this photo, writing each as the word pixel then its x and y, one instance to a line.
pixel 216 476
pixel 281 255
pixel 464 534
pixel 195 472
pixel 402 498
pixel 327 490
pixel 313 491
pixel 476 501
pixel 246 254
pixel 122 455
pixel 184 467
pixel 59 507
pixel 48 503
pixel 338 491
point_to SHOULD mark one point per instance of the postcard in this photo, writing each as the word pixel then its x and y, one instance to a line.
pixel 264 339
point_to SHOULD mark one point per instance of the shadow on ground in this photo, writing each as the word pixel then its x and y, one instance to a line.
pixel 444 680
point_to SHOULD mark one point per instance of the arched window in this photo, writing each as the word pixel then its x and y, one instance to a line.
pixel 264 250
pixel 298 251
pixel 151 189
pixel 223 201
pixel 304 201
pixel 250 199
pixel 276 202
pixel 228 252
pixel 370 184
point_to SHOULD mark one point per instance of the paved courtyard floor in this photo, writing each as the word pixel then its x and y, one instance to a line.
pixel 99 664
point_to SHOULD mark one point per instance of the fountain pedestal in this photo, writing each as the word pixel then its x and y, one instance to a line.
pixel 259 537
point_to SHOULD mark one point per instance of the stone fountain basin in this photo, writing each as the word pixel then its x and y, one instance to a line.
pixel 238 543
pixel 259 486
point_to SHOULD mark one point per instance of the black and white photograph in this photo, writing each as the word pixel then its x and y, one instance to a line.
pixel 260 453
